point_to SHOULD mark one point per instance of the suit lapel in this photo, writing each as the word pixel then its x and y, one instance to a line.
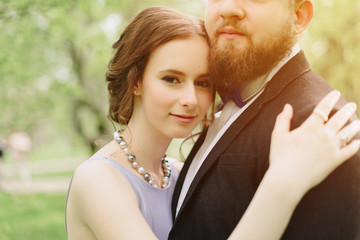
pixel 293 69
pixel 184 171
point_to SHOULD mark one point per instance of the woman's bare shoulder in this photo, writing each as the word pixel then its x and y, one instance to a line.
pixel 97 176
pixel 102 198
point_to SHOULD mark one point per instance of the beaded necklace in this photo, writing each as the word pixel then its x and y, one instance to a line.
pixel 132 159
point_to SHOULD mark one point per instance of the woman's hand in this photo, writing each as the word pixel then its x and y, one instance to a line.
pixel 307 155
pixel 299 160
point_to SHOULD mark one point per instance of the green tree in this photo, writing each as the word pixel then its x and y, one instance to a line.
pixel 332 44
pixel 55 53
pixel 54 63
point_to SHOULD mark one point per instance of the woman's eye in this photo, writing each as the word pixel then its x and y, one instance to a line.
pixel 203 83
pixel 171 79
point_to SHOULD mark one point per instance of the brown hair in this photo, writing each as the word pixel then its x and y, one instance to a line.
pixel 150 28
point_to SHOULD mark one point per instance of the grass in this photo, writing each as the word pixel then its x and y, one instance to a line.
pixel 36 216
pixel 52 175
pixel 41 216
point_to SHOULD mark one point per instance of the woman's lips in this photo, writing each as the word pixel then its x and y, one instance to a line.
pixel 184 118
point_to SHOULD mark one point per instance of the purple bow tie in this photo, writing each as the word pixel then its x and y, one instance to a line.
pixel 234 95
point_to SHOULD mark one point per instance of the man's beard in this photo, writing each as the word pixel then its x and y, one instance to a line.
pixel 234 68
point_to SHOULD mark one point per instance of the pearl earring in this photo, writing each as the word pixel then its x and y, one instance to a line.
pixel 135 92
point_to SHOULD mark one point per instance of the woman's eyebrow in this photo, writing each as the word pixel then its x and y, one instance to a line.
pixel 173 71
pixel 203 75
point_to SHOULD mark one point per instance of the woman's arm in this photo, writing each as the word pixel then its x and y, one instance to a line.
pixel 310 153
pixel 118 216
pixel 106 204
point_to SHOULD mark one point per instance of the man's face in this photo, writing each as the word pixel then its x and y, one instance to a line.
pixel 248 37
pixel 237 22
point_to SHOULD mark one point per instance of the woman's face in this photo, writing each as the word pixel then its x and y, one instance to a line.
pixel 175 92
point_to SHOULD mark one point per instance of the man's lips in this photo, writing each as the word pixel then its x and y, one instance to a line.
pixel 184 118
pixel 230 33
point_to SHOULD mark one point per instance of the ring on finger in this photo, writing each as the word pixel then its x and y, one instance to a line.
pixel 321 114
pixel 344 139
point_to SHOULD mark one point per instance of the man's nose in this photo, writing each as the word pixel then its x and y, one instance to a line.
pixel 232 9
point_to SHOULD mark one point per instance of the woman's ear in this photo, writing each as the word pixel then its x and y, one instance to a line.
pixel 304 11
pixel 137 88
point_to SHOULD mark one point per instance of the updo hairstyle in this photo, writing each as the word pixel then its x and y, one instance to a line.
pixel 150 29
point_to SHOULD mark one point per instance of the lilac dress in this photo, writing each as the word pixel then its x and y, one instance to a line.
pixel 154 203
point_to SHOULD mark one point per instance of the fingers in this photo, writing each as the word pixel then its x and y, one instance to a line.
pixel 324 107
pixel 345 135
pixel 348 132
pixel 348 151
pixel 341 117
pixel 283 120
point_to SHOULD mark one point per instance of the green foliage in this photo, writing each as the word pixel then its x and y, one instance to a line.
pixel 32 217
pixel 54 56
pixel 332 44
pixel 54 63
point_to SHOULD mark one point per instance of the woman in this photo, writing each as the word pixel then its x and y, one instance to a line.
pixel 160 89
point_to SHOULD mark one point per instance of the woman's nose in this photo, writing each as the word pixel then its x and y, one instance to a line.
pixel 189 96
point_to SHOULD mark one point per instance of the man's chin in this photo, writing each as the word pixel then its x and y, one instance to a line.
pixel 239 44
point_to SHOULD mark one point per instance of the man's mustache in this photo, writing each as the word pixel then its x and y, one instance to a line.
pixel 232 27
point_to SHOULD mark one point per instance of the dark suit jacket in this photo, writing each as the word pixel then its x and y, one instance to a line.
pixel 226 182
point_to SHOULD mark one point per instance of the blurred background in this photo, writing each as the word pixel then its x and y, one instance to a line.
pixel 53 100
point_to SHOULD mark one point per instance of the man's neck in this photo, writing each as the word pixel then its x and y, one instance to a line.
pixel 254 86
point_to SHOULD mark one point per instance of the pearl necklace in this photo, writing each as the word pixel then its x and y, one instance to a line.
pixel 132 159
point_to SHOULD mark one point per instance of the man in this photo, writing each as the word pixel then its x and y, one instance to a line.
pixel 257 64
